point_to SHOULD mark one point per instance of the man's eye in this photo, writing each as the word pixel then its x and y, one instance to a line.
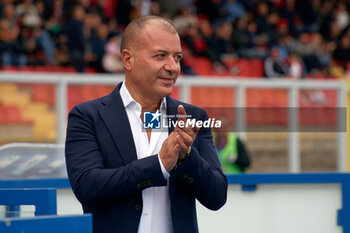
pixel 178 57
pixel 160 55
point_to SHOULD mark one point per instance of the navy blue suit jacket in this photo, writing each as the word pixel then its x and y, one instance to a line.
pixel 108 179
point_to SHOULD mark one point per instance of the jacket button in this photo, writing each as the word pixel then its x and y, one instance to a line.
pixel 138 207
pixel 186 176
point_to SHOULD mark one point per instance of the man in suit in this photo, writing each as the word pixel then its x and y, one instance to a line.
pixel 137 180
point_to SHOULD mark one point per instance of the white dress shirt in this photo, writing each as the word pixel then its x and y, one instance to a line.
pixel 156 214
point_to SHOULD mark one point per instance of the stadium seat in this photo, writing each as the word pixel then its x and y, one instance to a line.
pixel 12 114
pixel 247 68
pixel 9 69
pixel 44 93
pixel 2 114
pixel 212 97
pixel 176 93
pixel 74 96
pixel 200 65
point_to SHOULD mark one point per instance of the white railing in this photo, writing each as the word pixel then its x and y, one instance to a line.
pixel 63 80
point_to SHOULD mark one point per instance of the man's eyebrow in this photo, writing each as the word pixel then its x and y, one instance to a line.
pixel 161 51
pixel 166 52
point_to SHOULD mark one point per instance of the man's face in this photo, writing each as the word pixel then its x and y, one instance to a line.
pixel 156 65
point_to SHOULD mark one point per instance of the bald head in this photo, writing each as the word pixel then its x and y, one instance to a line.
pixel 136 28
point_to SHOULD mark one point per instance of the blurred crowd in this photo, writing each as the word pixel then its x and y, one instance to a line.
pixel 293 37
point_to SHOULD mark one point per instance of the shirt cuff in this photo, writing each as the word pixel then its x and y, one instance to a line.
pixel 164 171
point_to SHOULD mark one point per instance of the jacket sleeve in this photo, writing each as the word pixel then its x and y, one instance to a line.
pixel 201 171
pixel 91 181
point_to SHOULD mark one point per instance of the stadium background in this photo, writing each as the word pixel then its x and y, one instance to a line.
pixel 218 42
pixel 223 40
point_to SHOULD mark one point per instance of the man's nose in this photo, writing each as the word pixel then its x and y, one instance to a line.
pixel 171 65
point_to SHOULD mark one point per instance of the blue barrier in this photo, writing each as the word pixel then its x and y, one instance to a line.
pixel 44 200
pixel 250 183
pixel 57 183
pixel 47 224
pixel 13 210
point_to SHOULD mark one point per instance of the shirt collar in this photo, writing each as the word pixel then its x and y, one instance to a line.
pixel 129 101
pixel 126 97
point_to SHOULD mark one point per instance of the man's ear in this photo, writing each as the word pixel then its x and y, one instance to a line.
pixel 127 59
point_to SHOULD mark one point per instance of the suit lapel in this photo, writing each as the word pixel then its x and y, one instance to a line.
pixel 171 111
pixel 116 119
